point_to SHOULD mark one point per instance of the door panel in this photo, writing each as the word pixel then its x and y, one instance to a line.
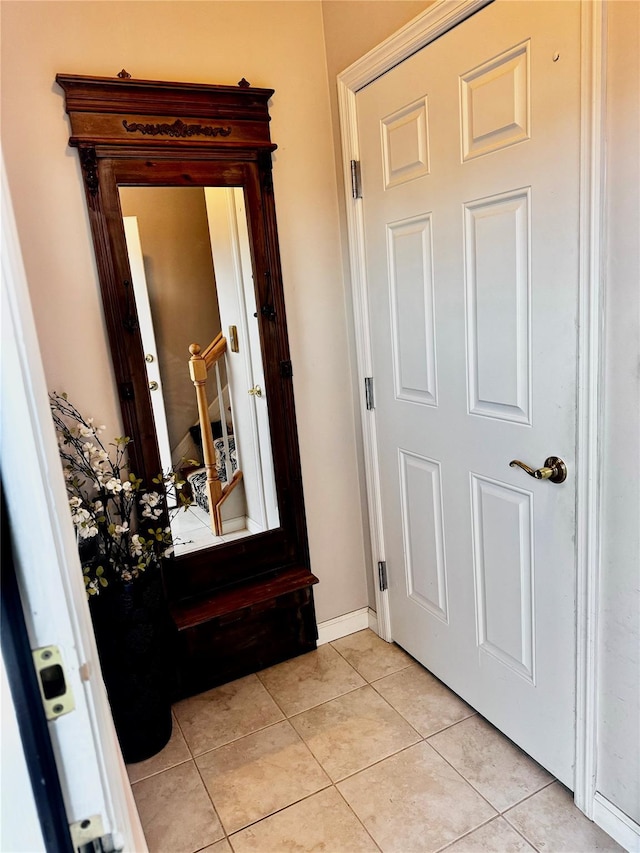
pixel 496 234
pixel 502 529
pixel 421 511
pixel 411 296
pixel 470 169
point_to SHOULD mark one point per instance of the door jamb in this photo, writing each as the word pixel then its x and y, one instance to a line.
pixel 90 765
pixel 442 16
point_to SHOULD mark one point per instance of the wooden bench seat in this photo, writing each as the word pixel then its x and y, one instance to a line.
pixel 241 630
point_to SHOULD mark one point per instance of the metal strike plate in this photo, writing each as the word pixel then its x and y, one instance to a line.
pixel 88 836
pixel 57 697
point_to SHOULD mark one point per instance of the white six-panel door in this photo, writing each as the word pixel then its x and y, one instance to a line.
pixel 470 176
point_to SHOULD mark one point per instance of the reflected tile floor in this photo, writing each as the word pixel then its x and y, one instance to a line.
pixel 353 747
pixel 191 530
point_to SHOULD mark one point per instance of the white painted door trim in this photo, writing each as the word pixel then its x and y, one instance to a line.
pixel 92 773
pixel 438 19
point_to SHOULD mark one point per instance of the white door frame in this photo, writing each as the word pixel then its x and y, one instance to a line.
pixel 92 773
pixel 442 16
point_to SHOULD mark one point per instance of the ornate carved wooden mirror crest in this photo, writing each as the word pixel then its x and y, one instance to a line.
pixel 180 198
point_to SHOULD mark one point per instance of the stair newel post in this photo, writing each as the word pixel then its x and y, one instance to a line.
pixel 198 372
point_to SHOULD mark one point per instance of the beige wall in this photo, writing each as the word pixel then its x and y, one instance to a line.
pixel 272 44
pixel 354 27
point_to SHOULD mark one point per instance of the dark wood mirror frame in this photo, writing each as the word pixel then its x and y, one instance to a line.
pixel 148 133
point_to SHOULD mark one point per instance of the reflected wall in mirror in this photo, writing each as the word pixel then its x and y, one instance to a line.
pixel 192 276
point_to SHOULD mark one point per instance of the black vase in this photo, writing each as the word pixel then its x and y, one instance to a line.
pixel 136 644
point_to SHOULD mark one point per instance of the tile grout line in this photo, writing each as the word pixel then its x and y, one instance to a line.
pixel 363 687
pixel 280 810
pixel 324 787
pixel 348 805
pixel 521 834
pixel 499 812
pixel 159 772
pixel 533 794
pixel 314 651
pixel 398 711
pixel 297 802
pixel 213 806
pixel 240 737
pixel 354 668
pixel 194 758
pixel 379 761
pixel 515 828
pixel 361 674
pixel 402 717
pixel 467 834
pixel 470 784
pixel 270 694
pixel 371 683
pixel 181 730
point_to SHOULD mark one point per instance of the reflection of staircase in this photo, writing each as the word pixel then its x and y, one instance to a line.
pixel 238 631
pixel 188 447
pixel 200 363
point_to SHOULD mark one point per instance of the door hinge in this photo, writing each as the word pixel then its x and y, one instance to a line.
pixel 56 694
pixel 382 575
pixel 368 392
pixel 88 836
pixel 356 182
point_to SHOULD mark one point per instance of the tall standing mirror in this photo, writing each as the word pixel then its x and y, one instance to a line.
pixel 178 186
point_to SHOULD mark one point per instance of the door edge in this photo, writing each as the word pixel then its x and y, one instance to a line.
pixel 590 411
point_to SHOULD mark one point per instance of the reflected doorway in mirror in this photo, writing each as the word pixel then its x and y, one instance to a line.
pixel 190 260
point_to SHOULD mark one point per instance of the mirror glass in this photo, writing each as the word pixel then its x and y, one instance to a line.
pixel 192 274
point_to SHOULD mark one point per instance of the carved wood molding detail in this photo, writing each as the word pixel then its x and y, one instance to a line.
pixel 89 163
pixel 178 128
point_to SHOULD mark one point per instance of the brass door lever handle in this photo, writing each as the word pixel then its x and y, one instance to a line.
pixel 554 469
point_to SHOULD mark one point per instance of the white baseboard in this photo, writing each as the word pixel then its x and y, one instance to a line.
pixel 346 624
pixel 616 823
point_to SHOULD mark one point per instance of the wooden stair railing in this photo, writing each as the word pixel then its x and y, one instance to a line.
pixel 200 363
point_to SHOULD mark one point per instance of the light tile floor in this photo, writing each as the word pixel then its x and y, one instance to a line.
pixel 353 747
